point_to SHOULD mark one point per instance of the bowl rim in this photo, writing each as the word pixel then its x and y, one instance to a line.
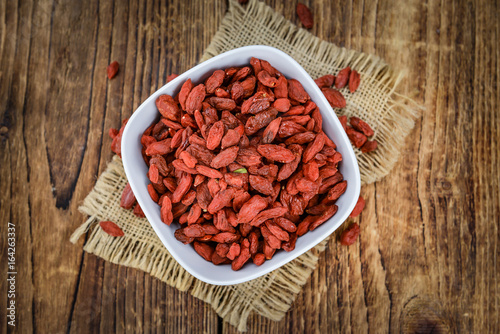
pixel 309 85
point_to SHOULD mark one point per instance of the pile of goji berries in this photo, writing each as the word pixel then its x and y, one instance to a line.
pixel 242 164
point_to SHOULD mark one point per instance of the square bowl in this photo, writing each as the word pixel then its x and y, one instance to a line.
pixel 136 169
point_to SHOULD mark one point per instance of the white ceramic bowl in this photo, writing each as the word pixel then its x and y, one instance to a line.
pixel 136 169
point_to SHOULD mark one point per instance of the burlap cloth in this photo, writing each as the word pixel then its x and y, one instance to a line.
pixel 272 294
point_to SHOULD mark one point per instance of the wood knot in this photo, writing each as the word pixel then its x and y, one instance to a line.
pixel 422 315
pixel 446 185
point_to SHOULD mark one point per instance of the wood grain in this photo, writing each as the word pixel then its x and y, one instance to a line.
pixel 427 259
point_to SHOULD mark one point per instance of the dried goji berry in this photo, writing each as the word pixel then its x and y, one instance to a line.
pixel 342 78
pixel 234 251
pixel 276 153
pixel 327 214
pixel 255 104
pixel 186 88
pixel 179 165
pixel 208 172
pixel 311 170
pixel 152 192
pixel 266 79
pixel 189 198
pixel 172 76
pixel 241 74
pixel 160 147
pixel 215 135
pixel 216 259
pixel 354 80
pixel 239 261
pixel 225 237
pixel 194 230
pixel 221 103
pixel 369 146
pixel 269 171
pixel 349 236
pixel 360 205
pixel 251 209
pixel 221 199
pixel 357 138
pixel 290 244
pixel 303 226
pixel 188 159
pixel 194 214
pixel 325 81
pixel 111 228
pixel 277 231
pixel 195 98
pixel 286 224
pixel 268 214
pixel 305 15
pixel 214 81
pixel 361 126
pixel 166 211
pixel 296 91
pixel 249 86
pixel 237 180
pixel 261 184
pixel 268 251
pixel 127 200
pixel 281 89
pixel 270 238
pixel 343 121
pixel 183 187
pixel 327 183
pixel 282 104
pixel 266 66
pixel 259 259
pixel 240 199
pixel 288 169
pixel 290 128
pixel 204 250
pixel 231 138
pixel 138 211
pixel 334 97
pixel 337 190
pixel 179 235
pixel 314 147
pixel 112 69
pixel 225 157
pixel 260 120
pixel 168 107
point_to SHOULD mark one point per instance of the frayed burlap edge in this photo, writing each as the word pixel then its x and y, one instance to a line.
pixel 272 294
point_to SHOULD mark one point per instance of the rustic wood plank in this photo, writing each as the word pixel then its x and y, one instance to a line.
pixel 427 259
pixel 134 43
pixel 486 180
pixel 14 204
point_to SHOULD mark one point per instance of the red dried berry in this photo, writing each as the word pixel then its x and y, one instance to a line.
pixel 360 205
pixel 113 69
pixel 305 16
pixel 350 235
pixel 112 229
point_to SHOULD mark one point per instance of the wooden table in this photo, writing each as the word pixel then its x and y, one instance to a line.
pixel 428 255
